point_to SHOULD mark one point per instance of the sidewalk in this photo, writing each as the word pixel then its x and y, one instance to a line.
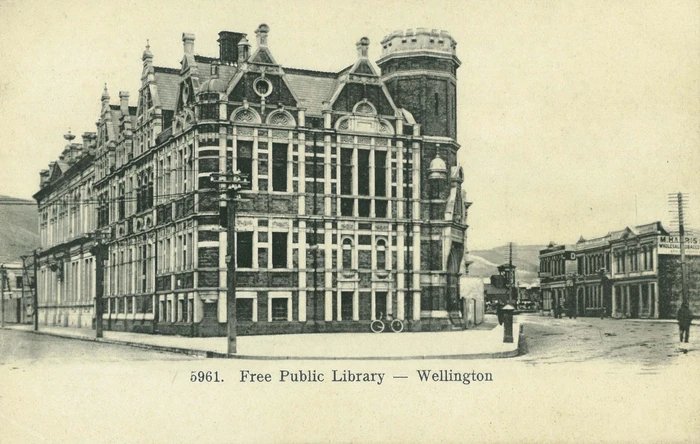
pixel 467 344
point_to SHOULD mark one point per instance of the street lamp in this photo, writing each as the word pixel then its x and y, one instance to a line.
pixel 234 182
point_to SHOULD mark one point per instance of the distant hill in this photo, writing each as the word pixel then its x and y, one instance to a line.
pixel 19 228
pixel 525 259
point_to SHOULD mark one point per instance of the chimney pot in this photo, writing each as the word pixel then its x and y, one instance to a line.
pixel 124 101
pixel 188 42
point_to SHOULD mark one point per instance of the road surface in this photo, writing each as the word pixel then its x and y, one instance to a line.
pixel 585 380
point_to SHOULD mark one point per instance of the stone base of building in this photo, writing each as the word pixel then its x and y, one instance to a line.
pixel 271 328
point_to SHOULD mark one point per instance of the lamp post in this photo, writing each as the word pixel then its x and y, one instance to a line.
pixel 99 252
pixel 234 182
pixel 575 278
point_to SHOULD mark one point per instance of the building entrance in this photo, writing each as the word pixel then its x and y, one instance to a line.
pixel 379 304
pixel 634 301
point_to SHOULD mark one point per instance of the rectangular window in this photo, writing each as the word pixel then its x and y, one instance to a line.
pixel 363 172
pixel 346 171
pixel 279 167
pixel 245 158
pixel 380 173
pixel 380 207
pixel 184 252
pixel 244 309
pixel 347 258
pixel 346 306
pixel 346 206
pixel 279 250
pixel 18 282
pixel 279 309
pixel 363 207
pixel 244 249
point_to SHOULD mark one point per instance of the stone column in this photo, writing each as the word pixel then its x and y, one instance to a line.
pixel 656 299
pixel 614 301
pixel 627 301
pixel 641 301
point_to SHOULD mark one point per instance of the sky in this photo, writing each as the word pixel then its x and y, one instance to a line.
pixel 574 117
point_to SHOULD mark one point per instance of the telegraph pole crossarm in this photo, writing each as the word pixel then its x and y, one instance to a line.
pixel 233 183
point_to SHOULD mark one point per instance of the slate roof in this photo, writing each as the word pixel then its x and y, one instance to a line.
pixel 312 87
pixel 168 81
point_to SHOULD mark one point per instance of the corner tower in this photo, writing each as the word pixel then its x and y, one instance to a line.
pixel 419 67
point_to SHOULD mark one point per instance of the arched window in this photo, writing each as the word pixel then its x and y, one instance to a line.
pixel 347 254
pixel 381 255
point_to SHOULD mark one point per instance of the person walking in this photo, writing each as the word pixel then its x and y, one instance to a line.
pixel 685 318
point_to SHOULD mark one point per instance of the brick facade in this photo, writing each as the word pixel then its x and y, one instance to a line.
pixel 358 162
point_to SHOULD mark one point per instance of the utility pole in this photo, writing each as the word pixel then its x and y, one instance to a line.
pixel 2 294
pixel 23 313
pixel 235 182
pixel 681 200
pixel 35 300
pixel 99 252
pixel 511 272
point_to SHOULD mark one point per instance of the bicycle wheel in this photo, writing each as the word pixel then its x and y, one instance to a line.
pixel 396 326
pixel 377 326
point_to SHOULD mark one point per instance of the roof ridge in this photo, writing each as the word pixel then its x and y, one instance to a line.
pixel 290 70
pixel 165 69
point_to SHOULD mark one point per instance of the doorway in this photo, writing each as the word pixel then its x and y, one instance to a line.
pixel 379 304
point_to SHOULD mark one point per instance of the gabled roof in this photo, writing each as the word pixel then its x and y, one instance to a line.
pixel 262 55
pixel 168 82
pixel 312 88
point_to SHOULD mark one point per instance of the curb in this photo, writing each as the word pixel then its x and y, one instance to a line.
pixel 213 354
pixel 179 350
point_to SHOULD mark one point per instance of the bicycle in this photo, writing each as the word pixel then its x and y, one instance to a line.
pixel 379 325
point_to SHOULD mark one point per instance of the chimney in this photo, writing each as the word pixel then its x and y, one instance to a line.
pixel 89 141
pixel 261 34
pixel 362 47
pixel 243 50
pixel 43 178
pixel 228 46
pixel 124 102
pixel 188 43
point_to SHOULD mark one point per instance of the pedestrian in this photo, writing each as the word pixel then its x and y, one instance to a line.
pixel 685 318
pixel 499 312
pixel 603 312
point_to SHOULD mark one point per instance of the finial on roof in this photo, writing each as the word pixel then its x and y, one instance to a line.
pixel 105 93
pixel 69 136
pixel 261 34
pixel 362 47
pixel 147 54
pixel 437 169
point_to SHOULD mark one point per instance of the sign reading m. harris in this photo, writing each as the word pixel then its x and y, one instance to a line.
pixel 672 245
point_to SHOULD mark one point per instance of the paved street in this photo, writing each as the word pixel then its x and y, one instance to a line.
pixel 648 345
pixel 608 380
pixel 22 349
